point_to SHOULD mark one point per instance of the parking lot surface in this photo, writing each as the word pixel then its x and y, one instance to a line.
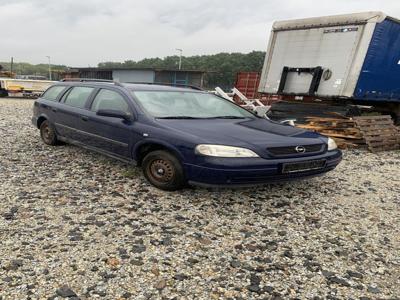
pixel 75 224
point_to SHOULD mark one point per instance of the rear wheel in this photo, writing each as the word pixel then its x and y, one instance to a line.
pixel 163 170
pixel 48 134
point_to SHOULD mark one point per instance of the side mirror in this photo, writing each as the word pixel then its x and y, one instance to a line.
pixel 288 122
pixel 114 114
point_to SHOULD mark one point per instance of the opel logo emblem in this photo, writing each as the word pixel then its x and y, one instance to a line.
pixel 300 149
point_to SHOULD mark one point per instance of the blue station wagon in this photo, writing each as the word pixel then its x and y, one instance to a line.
pixel 180 135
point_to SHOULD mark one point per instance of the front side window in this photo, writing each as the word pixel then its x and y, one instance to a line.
pixel 53 92
pixel 78 96
pixel 161 104
pixel 107 99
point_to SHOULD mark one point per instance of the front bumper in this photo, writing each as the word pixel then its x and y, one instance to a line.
pixel 253 171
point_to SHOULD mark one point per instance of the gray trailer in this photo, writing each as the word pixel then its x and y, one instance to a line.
pixel 352 58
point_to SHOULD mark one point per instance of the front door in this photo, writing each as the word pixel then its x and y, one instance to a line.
pixel 113 135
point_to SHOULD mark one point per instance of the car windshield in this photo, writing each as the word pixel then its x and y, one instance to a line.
pixel 188 105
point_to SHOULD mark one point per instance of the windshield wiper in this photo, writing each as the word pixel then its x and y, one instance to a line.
pixel 178 117
pixel 188 117
pixel 227 117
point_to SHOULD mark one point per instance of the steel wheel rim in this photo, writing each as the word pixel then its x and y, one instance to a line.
pixel 46 133
pixel 161 170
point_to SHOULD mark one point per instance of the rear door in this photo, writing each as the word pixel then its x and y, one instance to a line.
pixel 48 104
pixel 72 113
pixel 113 135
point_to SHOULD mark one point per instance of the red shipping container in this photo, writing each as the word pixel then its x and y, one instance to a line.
pixel 247 83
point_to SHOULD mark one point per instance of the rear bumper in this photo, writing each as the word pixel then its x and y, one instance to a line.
pixel 249 172
pixel 34 121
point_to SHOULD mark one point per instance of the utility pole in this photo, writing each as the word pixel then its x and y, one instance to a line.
pixel 12 65
pixel 180 57
pixel 48 57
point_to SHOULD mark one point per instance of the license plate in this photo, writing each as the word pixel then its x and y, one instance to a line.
pixel 303 166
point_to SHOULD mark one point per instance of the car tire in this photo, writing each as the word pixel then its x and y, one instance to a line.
pixel 163 170
pixel 48 134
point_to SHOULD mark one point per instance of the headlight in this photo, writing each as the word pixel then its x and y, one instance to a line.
pixel 224 151
pixel 331 144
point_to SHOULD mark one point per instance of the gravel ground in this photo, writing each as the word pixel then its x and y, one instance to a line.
pixel 77 224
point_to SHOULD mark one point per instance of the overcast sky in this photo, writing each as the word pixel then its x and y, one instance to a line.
pixel 86 32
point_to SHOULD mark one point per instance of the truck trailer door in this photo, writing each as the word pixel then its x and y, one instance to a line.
pixel 331 48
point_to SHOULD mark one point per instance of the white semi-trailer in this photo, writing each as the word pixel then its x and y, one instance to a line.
pixel 352 58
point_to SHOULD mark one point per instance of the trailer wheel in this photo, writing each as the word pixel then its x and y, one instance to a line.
pixel 396 119
pixel 3 93
pixel 396 115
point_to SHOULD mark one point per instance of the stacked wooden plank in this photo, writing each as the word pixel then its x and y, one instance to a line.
pixel 342 129
pixel 379 132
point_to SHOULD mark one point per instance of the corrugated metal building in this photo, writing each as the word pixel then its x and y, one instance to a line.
pixel 145 75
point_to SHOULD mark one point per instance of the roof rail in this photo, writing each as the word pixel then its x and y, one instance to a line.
pixel 193 87
pixel 91 80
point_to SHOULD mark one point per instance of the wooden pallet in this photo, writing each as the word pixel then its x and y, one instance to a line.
pixel 343 130
pixel 379 132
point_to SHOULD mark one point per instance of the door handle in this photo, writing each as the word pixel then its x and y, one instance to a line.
pixel 84 118
pixel 54 109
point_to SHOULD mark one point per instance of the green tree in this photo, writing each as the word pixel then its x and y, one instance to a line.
pixel 23 68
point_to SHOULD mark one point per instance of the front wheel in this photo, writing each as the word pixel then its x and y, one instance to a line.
pixel 163 170
pixel 48 134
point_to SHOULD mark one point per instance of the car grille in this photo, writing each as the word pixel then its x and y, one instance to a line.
pixel 285 151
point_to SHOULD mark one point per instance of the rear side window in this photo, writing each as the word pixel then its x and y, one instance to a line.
pixel 53 92
pixel 107 99
pixel 78 95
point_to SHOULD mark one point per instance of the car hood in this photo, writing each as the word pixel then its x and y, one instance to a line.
pixel 257 132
